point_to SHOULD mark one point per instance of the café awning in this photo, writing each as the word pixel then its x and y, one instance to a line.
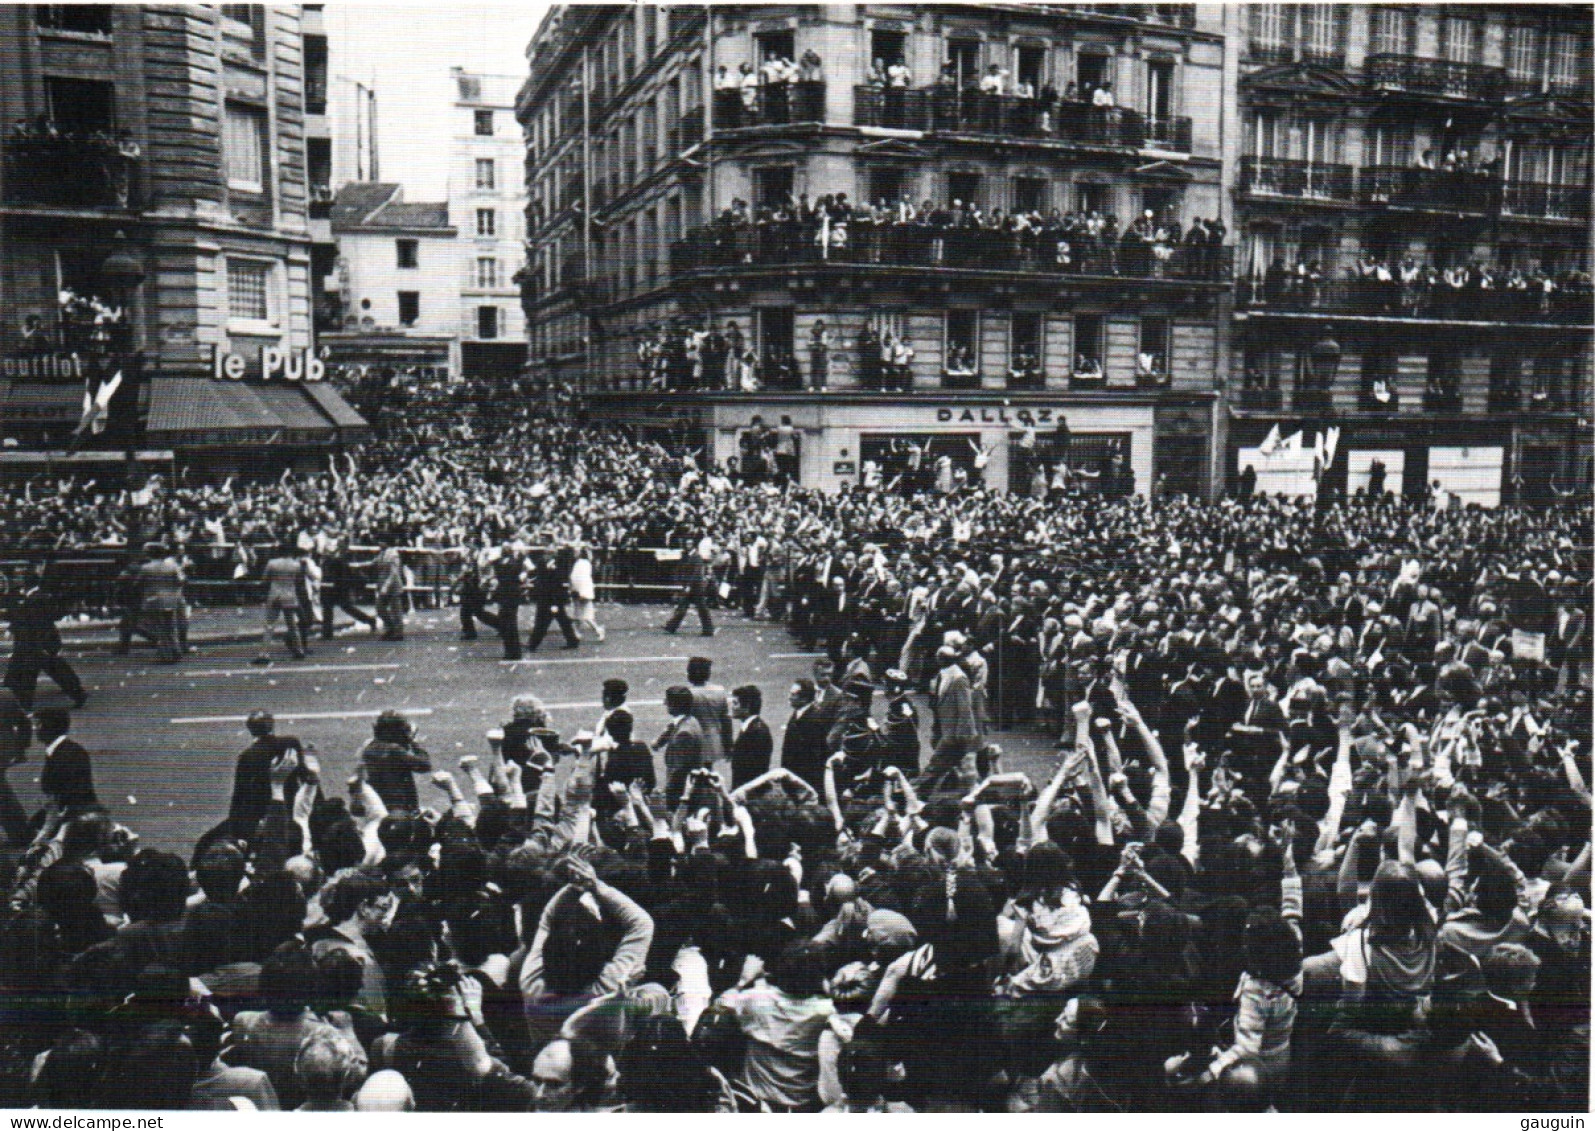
pixel 196 412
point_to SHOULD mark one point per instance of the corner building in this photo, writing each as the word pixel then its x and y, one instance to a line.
pixel 638 151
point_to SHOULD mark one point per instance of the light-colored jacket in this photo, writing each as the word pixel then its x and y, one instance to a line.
pixel 581 580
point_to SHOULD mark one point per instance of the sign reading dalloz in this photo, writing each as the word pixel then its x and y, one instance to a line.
pixel 274 365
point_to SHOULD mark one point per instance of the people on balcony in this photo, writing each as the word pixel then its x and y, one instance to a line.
pixel 1024 372
pixel 1087 370
pixel 962 235
pixel 1380 285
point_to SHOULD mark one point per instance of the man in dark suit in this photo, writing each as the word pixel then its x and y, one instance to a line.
pixel 697 581
pixel 338 587
pixel 803 745
pixel 67 780
pixel 750 753
pixel 710 708
pixel 682 743
pixel 252 776
pixel 1255 736
pixel 36 647
pixel 507 593
pixel 551 588
pixel 626 762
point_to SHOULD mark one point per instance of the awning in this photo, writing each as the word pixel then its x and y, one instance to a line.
pixel 34 404
pixel 194 411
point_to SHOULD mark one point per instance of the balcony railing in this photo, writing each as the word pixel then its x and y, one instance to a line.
pixel 1374 298
pixel 720 247
pixel 947 109
pixel 68 172
pixel 1306 180
pixel 1555 202
pixel 1505 395
pixel 1435 190
pixel 1171 134
pixel 321 201
pixel 1262 399
pixel 1312 398
pixel 1440 78
pixel 770 104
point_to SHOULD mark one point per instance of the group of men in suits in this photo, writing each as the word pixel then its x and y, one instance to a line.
pixel 515 576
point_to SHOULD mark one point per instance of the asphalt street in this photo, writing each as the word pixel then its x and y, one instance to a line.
pixel 165 738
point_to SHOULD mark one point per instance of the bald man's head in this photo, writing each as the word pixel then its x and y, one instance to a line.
pixel 385 1091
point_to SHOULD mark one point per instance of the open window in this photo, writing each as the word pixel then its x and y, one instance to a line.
pixel 1091 197
pixel 961 349
pixel 1160 89
pixel 963 187
pixel 888 48
pixel 1088 343
pixel 1152 357
pixel 84 19
pixel 1025 351
pixel 774 45
pixel 1093 69
pixel 82 107
pixel 963 61
pixel 773 185
pixel 1030 65
pixel 1029 194
pixel 887 183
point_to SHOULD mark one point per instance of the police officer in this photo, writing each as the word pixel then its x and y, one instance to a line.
pixel 508 593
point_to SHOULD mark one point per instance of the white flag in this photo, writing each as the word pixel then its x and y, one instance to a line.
pixel 1291 443
pixel 1270 443
pixel 1331 445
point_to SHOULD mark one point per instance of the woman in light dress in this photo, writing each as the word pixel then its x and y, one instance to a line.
pixel 583 592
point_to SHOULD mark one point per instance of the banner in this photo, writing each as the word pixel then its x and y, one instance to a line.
pixel 1528 645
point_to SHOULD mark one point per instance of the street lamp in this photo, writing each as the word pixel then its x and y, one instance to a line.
pixel 123 273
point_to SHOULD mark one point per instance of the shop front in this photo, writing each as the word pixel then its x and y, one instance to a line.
pixel 996 442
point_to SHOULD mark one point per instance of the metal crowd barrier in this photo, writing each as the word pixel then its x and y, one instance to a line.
pixel 91 580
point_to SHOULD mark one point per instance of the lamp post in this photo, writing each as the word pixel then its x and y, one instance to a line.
pixel 1325 360
pixel 124 274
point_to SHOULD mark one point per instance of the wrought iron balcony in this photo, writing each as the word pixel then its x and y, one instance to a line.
pixel 948 109
pixel 770 104
pixel 1552 202
pixel 1260 399
pixel 732 247
pixel 1432 190
pixel 1374 298
pixel 1437 78
pixel 1442 396
pixel 1305 180
pixel 321 201
pixel 72 172
pixel 1311 398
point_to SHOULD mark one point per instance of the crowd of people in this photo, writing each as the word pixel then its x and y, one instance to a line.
pixel 1314 836
pixel 959 234
pixel 1377 284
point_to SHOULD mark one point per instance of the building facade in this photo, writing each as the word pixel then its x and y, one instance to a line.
pixel 657 180
pixel 487 204
pixel 1412 203
pixel 154 197
pixel 396 283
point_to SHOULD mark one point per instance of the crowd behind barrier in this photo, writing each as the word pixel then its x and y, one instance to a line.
pixel 1315 836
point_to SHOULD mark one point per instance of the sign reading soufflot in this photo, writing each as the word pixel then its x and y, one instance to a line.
pixel 274 364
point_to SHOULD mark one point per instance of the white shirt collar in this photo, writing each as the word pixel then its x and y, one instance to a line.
pixel 50 749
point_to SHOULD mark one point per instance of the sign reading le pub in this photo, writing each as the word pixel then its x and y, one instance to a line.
pixel 274 364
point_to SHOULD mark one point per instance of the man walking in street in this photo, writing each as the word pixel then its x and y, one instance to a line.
pixel 551 587
pixel 161 581
pixel 696 580
pixel 338 585
pixel 507 594
pixel 36 646
pixel 284 574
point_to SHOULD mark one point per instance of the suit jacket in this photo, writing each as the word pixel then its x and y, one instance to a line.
pixel 33 626
pixel 803 746
pixel 252 781
pixel 683 754
pixel 713 711
pixel 68 778
pixel 954 705
pixel 750 753
pixel 624 764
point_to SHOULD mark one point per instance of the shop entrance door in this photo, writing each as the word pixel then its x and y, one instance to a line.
pixel 908 459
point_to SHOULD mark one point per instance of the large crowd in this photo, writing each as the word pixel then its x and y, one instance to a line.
pixel 1315 834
